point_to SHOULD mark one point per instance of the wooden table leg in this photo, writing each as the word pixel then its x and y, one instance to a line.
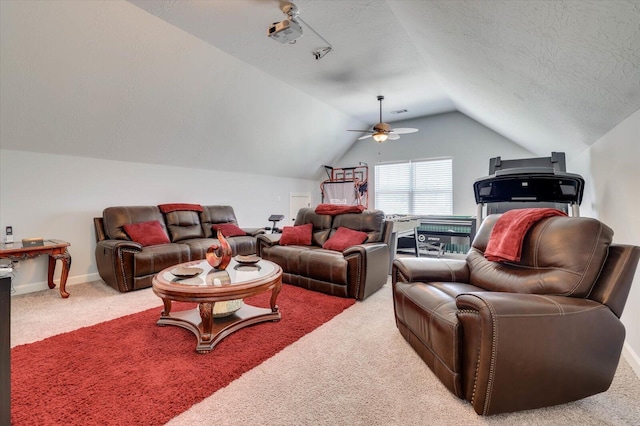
pixel 52 267
pixel 66 265
pixel 167 307
pixel 206 315
pixel 274 296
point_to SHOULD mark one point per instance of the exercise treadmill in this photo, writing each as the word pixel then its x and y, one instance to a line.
pixel 528 182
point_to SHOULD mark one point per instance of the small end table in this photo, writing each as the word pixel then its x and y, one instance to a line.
pixel 55 249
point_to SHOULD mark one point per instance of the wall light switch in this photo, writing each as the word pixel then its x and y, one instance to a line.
pixel 9 238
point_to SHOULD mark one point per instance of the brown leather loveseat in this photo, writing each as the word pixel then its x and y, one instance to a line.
pixel 128 265
pixel 514 336
pixel 356 272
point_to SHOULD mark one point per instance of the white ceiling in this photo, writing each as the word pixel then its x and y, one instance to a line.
pixel 199 84
pixel 549 75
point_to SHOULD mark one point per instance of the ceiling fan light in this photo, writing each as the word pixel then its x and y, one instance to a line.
pixel 380 136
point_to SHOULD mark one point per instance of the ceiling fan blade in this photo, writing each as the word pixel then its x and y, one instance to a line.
pixel 381 129
pixel 404 130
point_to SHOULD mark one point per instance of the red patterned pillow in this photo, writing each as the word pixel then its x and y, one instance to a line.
pixel 297 235
pixel 343 238
pixel 147 233
pixel 228 230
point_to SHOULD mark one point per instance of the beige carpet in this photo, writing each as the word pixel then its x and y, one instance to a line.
pixel 354 370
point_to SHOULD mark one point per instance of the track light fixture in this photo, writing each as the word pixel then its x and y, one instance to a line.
pixel 289 30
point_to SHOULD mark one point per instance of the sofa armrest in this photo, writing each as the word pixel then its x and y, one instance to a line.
pixel 269 239
pixel 266 240
pixel 114 259
pixel 368 267
pixel 98 225
pixel 363 249
pixel 253 232
pixel 511 340
pixel 119 245
pixel 411 269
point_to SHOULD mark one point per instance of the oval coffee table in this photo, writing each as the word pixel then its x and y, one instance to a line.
pixel 212 288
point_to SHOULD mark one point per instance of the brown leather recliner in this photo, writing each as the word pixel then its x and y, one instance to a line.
pixel 516 336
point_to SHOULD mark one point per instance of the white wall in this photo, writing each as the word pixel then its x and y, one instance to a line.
pixel 106 79
pixel 445 135
pixel 611 168
pixel 57 196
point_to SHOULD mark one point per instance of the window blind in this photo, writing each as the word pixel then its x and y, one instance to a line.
pixel 423 187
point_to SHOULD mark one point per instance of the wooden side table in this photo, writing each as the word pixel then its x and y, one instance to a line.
pixel 55 249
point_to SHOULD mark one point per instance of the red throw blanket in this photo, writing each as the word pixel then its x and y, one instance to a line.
pixel 335 209
pixel 505 242
pixel 166 208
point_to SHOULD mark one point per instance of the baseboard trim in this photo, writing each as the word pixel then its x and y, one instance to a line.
pixel 632 358
pixel 43 285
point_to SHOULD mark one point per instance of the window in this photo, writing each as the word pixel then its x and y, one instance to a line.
pixel 423 187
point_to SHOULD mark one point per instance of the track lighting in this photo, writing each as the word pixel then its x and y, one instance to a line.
pixel 289 30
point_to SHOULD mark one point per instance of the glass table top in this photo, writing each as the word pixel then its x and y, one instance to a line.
pixel 235 273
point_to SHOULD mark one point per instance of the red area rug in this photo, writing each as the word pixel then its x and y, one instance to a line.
pixel 129 371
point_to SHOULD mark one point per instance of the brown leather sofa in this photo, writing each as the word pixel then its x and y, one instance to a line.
pixel 516 336
pixel 127 265
pixel 356 272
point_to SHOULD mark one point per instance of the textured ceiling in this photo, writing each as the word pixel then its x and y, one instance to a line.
pixel 550 75
pixel 199 84
pixel 372 53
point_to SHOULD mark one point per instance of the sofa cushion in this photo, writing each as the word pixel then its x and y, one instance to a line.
pixel 183 225
pixel 321 224
pixel 228 229
pixel 320 237
pixel 198 247
pixel 343 238
pixel 505 242
pixel 242 245
pixel 153 259
pixel 369 221
pixel 560 256
pixel 297 235
pixel 147 233
pixel 216 214
pixel 114 218
pixel 309 261
pixel 324 265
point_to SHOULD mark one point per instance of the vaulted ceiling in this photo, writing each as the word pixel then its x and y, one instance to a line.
pixel 549 75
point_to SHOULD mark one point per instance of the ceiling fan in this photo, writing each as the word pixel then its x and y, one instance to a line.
pixel 382 131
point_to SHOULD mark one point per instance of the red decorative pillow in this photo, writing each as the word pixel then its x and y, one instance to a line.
pixel 147 233
pixel 228 230
pixel 297 235
pixel 343 238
